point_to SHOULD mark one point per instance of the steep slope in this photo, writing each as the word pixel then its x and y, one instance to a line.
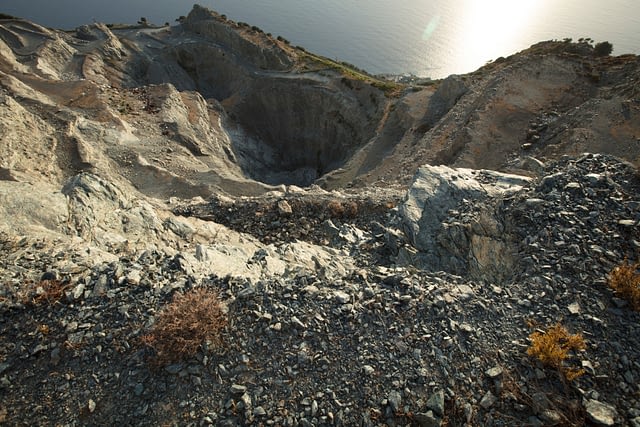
pixel 553 99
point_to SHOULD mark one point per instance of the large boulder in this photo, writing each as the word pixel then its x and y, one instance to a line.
pixel 452 219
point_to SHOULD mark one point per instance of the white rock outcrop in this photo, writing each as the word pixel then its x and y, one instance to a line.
pixel 478 245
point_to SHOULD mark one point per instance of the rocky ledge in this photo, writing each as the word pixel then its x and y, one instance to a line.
pixel 360 338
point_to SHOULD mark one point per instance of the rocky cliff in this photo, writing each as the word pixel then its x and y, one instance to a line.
pixel 383 250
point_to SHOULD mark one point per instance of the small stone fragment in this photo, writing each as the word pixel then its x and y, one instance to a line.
pixel 427 419
pixel 436 403
pixel 78 291
pixel 342 297
pixel 284 208
pixel 574 308
pixel 494 372
pixel 395 401
pixel 368 369
pixel 488 400
pixel 238 389
pixel 600 413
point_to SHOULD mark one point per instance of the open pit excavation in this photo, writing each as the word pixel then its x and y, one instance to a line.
pixel 379 253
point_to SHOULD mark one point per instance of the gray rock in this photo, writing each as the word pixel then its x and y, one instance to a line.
pixel 55 357
pixel 550 182
pixel 478 245
pixel 174 368
pixel 368 370
pixel 532 164
pixel 448 93
pixel 436 403
pixel 238 389
pixel 488 400
pixel 342 297
pixel 494 372
pixel 427 419
pixel 600 413
pixel 284 208
pixel 134 277
pixel 574 308
pixel 78 291
pixel 178 227
pixel 395 401
pixel 139 389
pixel 551 417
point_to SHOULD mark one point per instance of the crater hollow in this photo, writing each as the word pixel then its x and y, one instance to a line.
pixel 285 127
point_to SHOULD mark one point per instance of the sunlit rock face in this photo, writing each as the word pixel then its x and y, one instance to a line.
pixel 451 217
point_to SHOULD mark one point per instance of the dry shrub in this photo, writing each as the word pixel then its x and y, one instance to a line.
pixel 338 209
pixel 553 349
pixel 351 209
pixel 335 209
pixel 625 281
pixel 187 322
pixel 45 292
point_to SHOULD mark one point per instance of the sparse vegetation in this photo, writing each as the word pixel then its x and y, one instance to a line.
pixel 553 348
pixel 45 292
pixel 625 281
pixel 185 324
pixel 603 49
pixel 338 209
pixel 390 88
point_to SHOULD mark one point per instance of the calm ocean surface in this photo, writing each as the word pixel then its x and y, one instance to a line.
pixel 432 38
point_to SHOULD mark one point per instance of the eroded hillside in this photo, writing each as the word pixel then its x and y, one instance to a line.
pixel 384 252
pixel 212 105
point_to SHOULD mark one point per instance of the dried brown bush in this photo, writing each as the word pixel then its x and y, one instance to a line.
pixel 553 348
pixel 338 209
pixel 335 209
pixel 186 323
pixel 44 292
pixel 351 209
pixel 625 281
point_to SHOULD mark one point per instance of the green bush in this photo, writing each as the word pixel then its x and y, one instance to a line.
pixel 603 49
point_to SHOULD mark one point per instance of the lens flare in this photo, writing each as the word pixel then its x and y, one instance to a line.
pixel 432 26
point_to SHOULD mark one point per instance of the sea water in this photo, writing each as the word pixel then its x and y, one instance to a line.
pixel 431 38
